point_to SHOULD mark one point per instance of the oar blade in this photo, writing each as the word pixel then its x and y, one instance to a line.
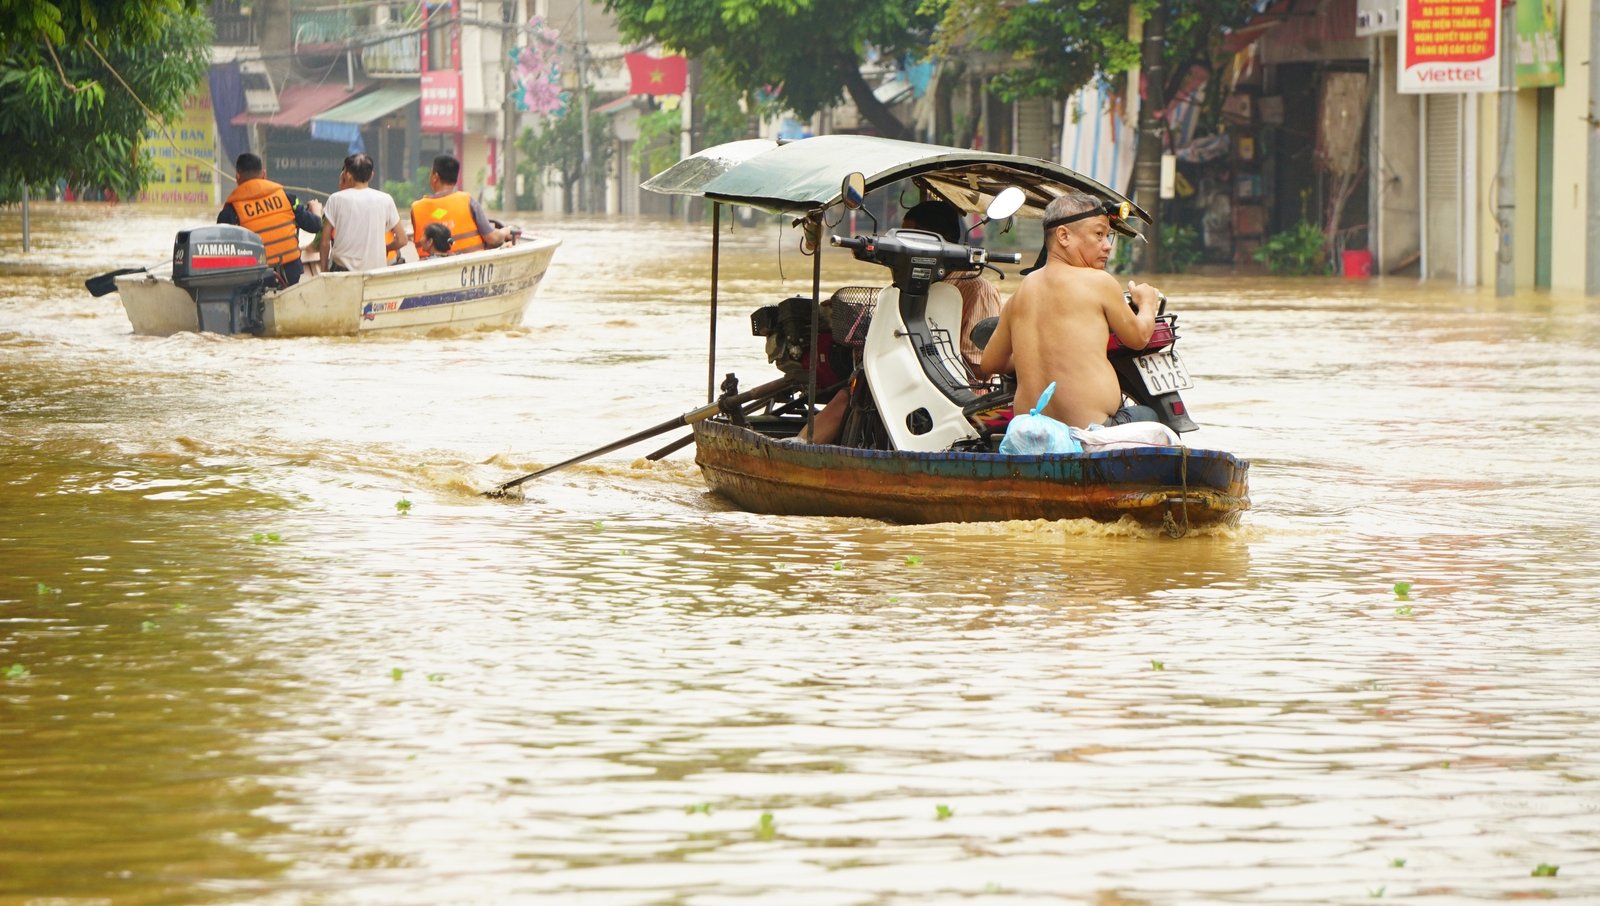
pixel 104 284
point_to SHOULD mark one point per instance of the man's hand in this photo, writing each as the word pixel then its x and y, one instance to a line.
pixel 1146 298
pixel 314 206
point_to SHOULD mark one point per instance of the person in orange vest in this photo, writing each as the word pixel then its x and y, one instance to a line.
pixel 470 228
pixel 262 206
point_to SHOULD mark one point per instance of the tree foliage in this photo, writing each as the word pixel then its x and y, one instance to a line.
pixel 80 80
pixel 1057 46
pixel 559 146
pixel 809 51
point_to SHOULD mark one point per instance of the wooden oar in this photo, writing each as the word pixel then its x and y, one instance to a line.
pixel 102 284
pixel 688 418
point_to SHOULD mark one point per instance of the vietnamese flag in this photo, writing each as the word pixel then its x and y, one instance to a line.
pixel 657 75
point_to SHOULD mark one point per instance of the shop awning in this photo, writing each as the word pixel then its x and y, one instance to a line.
pixel 297 104
pixel 343 123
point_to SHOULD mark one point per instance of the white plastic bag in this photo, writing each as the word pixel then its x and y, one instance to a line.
pixel 1131 434
pixel 1033 433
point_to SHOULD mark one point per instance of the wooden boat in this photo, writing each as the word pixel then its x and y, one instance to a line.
pixel 480 290
pixel 746 450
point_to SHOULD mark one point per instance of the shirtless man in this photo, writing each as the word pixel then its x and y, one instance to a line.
pixel 1056 325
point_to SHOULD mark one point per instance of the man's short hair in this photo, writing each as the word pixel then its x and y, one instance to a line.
pixel 359 166
pixel 1071 203
pixel 936 216
pixel 248 164
pixel 448 169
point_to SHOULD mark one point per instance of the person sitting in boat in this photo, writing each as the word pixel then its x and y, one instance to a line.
pixel 470 228
pixel 979 299
pixel 435 240
pixel 263 207
pixel 356 220
pixel 1055 327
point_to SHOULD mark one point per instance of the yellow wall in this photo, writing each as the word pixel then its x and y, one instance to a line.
pixel 1569 184
pixel 1569 188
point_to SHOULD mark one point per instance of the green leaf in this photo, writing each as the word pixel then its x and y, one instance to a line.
pixel 1544 870
pixel 396 673
pixel 1402 590
pixel 767 827
pixel 17 671
pixel 943 812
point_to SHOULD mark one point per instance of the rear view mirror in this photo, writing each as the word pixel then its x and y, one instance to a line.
pixel 1008 202
pixel 853 192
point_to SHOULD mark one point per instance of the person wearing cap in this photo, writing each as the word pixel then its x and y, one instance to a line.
pixel 1055 327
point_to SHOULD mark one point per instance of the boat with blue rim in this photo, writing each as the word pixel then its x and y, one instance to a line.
pixel 218 282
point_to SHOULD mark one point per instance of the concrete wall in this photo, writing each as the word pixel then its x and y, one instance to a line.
pixel 1395 168
pixel 1570 242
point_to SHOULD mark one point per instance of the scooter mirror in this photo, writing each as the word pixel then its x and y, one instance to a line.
pixel 1008 202
pixel 853 192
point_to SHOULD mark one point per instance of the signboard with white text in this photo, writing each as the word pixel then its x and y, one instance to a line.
pixel 441 101
pixel 1449 46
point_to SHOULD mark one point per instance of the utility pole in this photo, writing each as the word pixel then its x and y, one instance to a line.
pixel 1592 283
pixel 508 140
pixel 585 183
pixel 1505 202
pixel 1147 162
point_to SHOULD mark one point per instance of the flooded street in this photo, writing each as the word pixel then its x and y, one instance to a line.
pixel 261 641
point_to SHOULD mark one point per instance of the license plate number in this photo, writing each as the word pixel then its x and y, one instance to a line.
pixel 1163 372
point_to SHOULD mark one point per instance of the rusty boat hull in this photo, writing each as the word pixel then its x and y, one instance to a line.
pixel 1174 487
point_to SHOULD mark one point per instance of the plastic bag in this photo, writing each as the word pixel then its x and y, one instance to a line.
pixel 1033 433
pixel 1132 434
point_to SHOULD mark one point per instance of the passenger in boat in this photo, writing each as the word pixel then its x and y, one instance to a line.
pixel 357 219
pixel 979 299
pixel 436 240
pixel 470 228
pixel 263 207
pixel 1055 326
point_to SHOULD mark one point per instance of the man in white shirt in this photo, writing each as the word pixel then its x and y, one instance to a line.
pixel 357 219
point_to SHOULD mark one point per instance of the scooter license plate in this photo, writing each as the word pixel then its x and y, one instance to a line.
pixel 1163 372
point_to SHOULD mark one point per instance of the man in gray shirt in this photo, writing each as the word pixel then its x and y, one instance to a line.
pixel 360 223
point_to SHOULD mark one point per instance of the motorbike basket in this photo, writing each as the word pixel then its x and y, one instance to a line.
pixel 852 313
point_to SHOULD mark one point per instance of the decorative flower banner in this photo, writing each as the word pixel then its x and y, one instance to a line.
pixel 536 71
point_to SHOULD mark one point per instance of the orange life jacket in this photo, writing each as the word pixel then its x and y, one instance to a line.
pixel 264 209
pixel 454 211
pixel 394 254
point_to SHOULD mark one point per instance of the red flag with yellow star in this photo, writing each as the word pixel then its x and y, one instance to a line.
pixel 657 75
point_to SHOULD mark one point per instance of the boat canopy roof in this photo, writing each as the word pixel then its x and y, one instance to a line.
pixel 805 175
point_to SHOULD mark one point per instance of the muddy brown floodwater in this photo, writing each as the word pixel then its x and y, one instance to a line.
pixel 233 670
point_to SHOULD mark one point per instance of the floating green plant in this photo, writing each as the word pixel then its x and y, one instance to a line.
pixel 402 506
pixel 1545 870
pixel 17 671
pixel 1376 893
pixel 1158 665
pixel 436 677
pixel 699 808
pixel 47 590
pixel 149 626
pixel 1403 610
pixel 838 565
pixel 767 827
pixel 1397 863
pixel 266 537
pixel 913 560
pixel 179 608
pixel 1402 590
pixel 943 812
pixel 396 673
pixel 598 525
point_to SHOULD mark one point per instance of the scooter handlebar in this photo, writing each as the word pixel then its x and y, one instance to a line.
pixel 1007 258
pixel 859 242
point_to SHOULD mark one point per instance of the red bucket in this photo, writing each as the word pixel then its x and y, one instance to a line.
pixel 1357 263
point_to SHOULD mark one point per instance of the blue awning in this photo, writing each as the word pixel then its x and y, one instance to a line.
pixel 343 123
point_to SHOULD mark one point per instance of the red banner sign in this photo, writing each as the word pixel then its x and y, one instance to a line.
pixel 1450 46
pixel 441 102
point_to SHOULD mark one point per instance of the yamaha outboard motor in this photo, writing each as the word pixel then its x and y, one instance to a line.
pixel 224 269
